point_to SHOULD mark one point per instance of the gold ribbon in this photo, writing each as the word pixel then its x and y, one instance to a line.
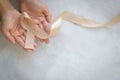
pixel 32 29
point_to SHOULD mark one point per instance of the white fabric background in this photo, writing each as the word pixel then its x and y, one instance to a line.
pixel 75 54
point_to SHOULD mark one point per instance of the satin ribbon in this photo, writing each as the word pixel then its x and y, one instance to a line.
pixel 32 29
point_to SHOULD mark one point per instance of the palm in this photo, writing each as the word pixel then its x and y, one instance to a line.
pixel 40 14
pixel 11 28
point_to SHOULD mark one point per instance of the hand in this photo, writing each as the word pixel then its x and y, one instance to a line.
pixel 39 13
pixel 12 29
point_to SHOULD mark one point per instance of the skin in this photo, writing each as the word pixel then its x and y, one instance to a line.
pixel 39 13
pixel 11 27
pixel 10 23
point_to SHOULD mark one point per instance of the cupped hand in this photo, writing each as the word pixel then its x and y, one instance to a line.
pixel 12 29
pixel 39 12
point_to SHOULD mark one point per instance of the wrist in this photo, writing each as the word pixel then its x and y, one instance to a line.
pixel 6 11
pixel 5 7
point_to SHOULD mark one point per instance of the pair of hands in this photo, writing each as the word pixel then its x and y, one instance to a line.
pixel 15 33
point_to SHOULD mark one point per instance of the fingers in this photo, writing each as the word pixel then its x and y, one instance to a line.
pixel 20 41
pixel 42 19
pixel 45 24
pixel 46 27
pixel 35 45
pixel 36 21
pixel 9 36
pixel 47 14
pixel 40 26
pixel 20 36
pixel 21 31
pixel 46 41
